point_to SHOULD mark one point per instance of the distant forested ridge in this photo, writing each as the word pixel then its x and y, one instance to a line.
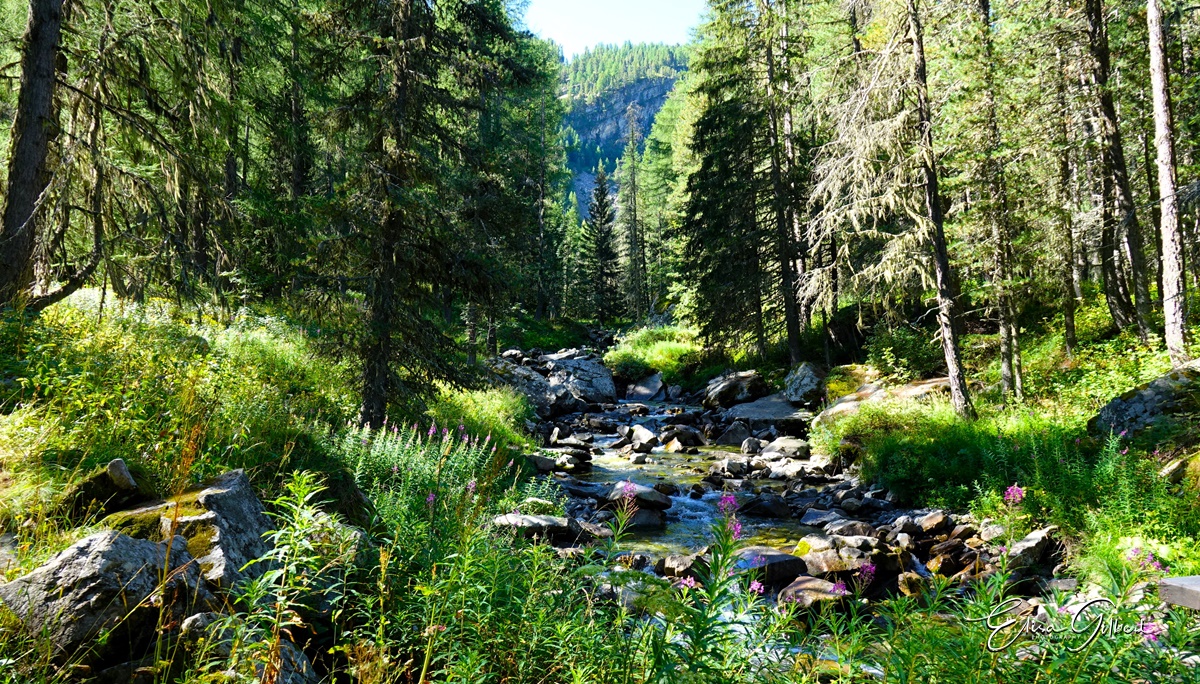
pixel 599 87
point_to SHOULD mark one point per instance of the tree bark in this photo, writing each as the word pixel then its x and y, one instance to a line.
pixel 1068 270
pixel 1113 159
pixel 33 128
pixel 946 295
pixel 1174 272
pixel 783 229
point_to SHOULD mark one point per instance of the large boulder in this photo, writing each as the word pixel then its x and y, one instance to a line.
pixel 808 591
pixel 772 411
pixel 644 497
pixel 554 529
pixel 804 385
pixel 734 435
pixel 1175 393
pixel 773 567
pixel 735 388
pixel 649 389
pixel 532 384
pixel 223 524
pixel 586 380
pixel 108 585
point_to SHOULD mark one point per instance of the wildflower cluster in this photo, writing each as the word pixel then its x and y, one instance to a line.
pixel 1014 495
pixel 1146 560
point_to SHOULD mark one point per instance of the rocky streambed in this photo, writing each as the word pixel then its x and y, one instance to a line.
pixel 808 520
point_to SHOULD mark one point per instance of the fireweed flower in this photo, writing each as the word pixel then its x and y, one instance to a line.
pixel 471 487
pixel 1014 495
pixel 756 587
pixel 735 528
pixel 728 503
pixel 629 490
pixel 1151 631
pixel 686 583
pixel 431 498
pixel 432 430
pixel 867 573
pixel 839 588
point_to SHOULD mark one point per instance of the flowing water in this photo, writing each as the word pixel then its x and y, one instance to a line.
pixel 689 521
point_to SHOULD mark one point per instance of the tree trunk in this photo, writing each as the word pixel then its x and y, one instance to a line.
pixel 783 228
pixel 1066 230
pixel 1113 159
pixel 33 128
pixel 472 333
pixel 1174 273
pixel 946 295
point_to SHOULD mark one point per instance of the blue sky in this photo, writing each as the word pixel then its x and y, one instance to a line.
pixel 578 24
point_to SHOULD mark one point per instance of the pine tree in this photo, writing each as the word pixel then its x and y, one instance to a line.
pixel 602 264
pixel 631 221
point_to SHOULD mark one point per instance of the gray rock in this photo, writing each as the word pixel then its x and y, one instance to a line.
pixel 735 388
pixel 102 492
pixel 223 522
pixel 644 497
pixel 774 411
pixel 752 446
pixel 1030 550
pixel 767 506
pixel 804 384
pixel 773 567
pixel 686 435
pixel 107 584
pixel 586 380
pixel 933 521
pixel 647 519
pixel 1175 393
pixel 649 389
pixel 815 518
pixel 734 435
pixel 792 447
pixel 552 528
pixel 808 591
pixel 849 528
pixel 643 434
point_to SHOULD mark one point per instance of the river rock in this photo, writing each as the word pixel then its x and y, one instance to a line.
pixel 223 523
pixel 933 521
pixel 682 565
pixel 767 506
pixel 808 591
pixel 773 411
pixel 734 435
pixel 816 518
pixel 792 447
pixel 643 434
pixel 103 585
pixel 804 384
pixel 1175 393
pixel 533 385
pixel 588 381
pixel 649 389
pixel 774 568
pixel 849 528
pixel 752 446
pixel 735 388
pixel 685 434
pixel 644 497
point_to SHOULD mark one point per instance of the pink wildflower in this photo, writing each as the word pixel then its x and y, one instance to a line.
pixel 839 588
pixel 686 583
pixel 1014 495
pixel 1152 630
pixel 757 587
pixel 728 503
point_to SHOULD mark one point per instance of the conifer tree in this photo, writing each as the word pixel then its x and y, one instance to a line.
pixel 602 259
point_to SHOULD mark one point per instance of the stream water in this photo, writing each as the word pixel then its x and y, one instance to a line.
pixel 689 520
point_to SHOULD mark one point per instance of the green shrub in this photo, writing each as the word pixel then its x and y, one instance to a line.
pixel 905 353
pixel 672 351
pixel 499 412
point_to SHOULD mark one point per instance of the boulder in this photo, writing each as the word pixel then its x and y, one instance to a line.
pixel 223 524
pixel 649 389
pixel 752 446
pixel 767 506
pixel 792 447
pixel 647 519
pixel 551 528
pixel 685 434
pixel 643 434
pixel 533 385
pixel 774 411
pixel 735 388
pixel 847 528
pixel 816 518
pixel 644 497
pixel 682 565
pixel 808 591
pixel 911 584
pixel 588 381
pixel 773 568
pixel 804 385
pixel 1030 550
pixel 1163 399
pixel 108 585
pixel 105 490
pixel 734 435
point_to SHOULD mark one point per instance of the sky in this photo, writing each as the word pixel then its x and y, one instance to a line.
pixel 579 24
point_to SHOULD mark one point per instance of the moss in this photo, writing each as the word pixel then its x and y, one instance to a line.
pixel 143 524
pixel 201 540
